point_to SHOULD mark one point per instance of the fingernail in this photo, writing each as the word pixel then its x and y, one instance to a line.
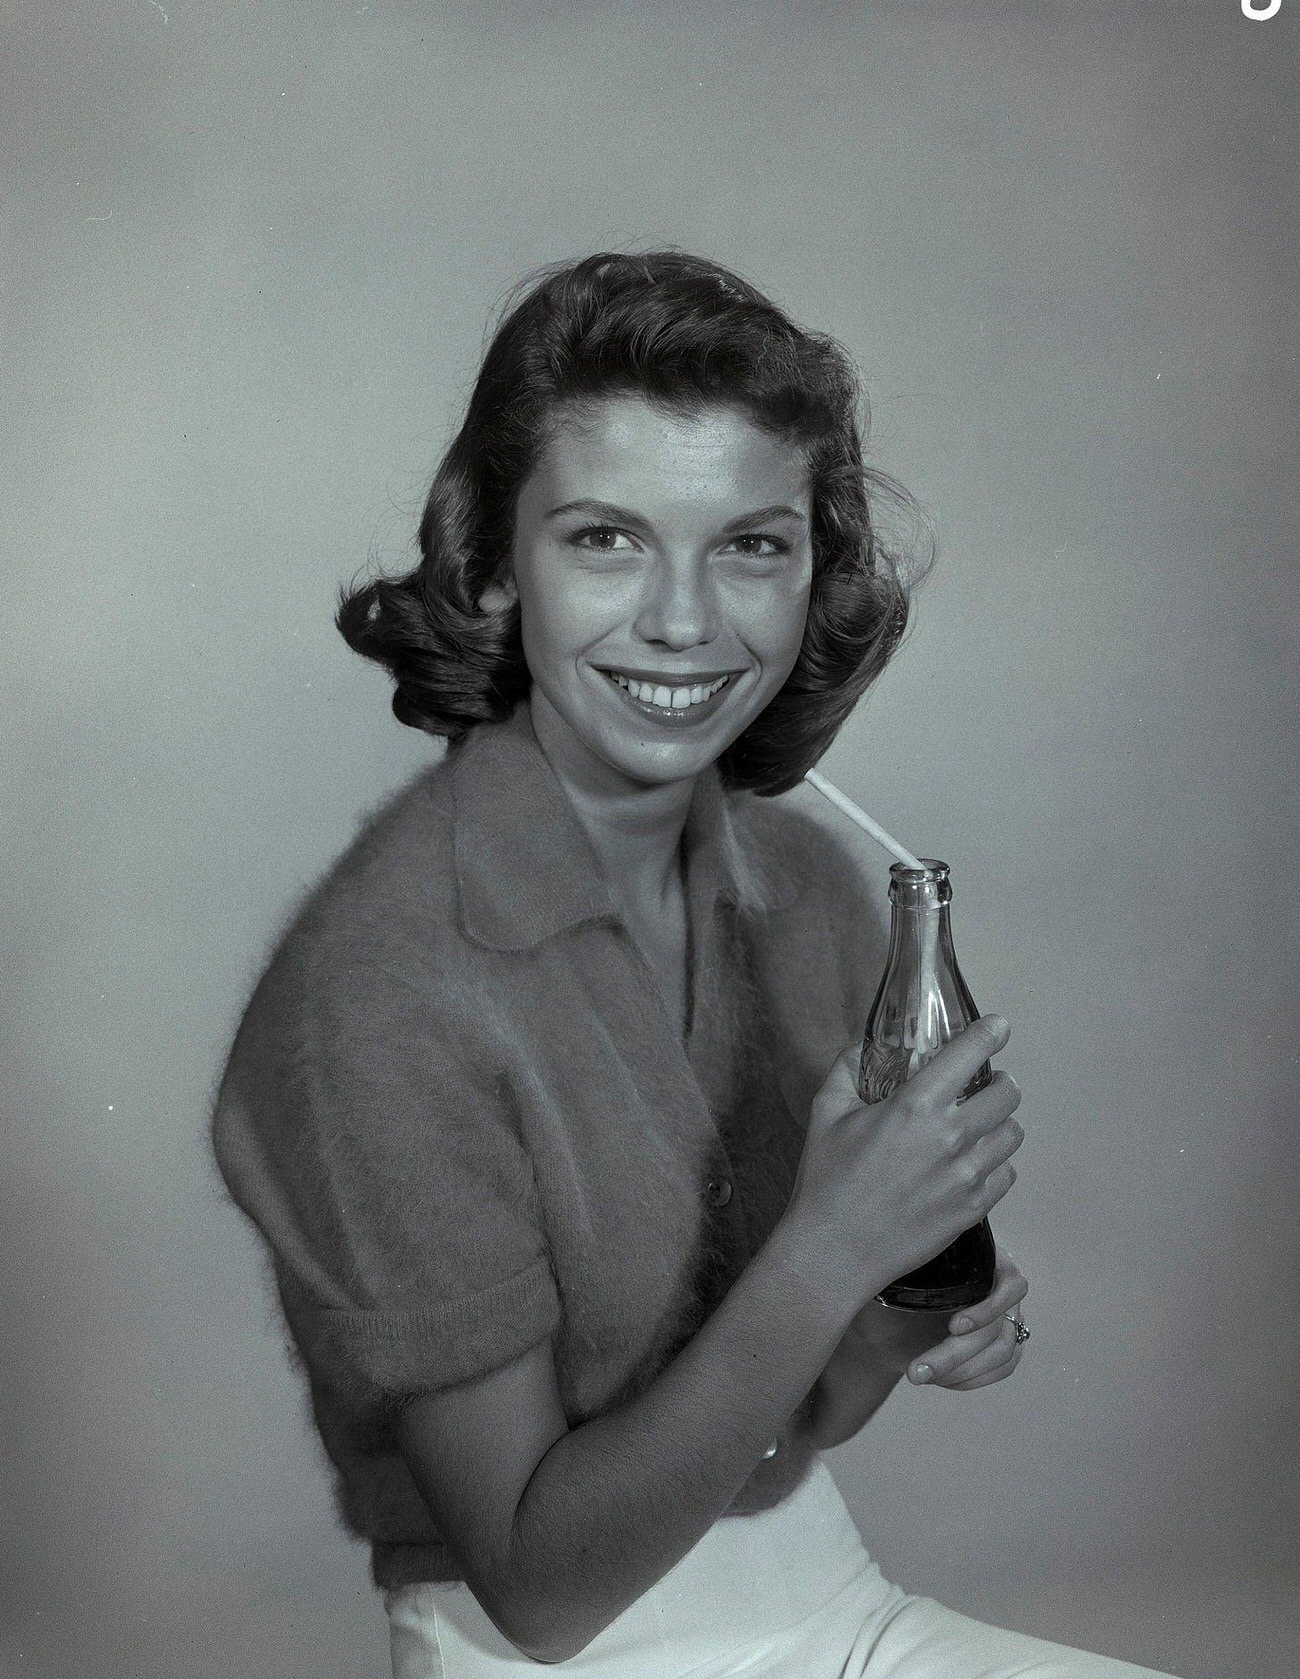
pixel 961 1325
pixel 921 1373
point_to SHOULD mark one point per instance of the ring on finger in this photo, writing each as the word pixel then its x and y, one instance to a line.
pixel 1020 1326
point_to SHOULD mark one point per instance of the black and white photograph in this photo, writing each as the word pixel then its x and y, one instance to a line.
pixel 651 1021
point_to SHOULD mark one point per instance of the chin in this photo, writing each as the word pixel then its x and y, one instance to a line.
pixel 656 766
pixel 646 757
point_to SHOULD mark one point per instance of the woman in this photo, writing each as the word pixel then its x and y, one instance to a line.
pixel 545 1105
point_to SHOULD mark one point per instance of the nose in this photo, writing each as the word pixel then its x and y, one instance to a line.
pixel 678 608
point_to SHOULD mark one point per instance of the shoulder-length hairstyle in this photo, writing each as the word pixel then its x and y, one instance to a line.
pixel 685 333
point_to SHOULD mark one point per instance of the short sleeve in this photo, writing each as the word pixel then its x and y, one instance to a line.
pixel 365 1130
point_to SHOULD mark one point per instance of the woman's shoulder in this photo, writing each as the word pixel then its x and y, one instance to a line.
pixel 368 970
pixel 387 900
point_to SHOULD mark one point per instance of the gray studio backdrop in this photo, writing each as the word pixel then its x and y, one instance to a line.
pixel 248 252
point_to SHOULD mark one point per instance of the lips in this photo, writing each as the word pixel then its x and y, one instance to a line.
pixel 668 678
pixel 672 700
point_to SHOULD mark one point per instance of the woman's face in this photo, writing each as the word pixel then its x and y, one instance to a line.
pixel 662 564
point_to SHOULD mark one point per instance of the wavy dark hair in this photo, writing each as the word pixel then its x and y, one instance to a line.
pixel 683 332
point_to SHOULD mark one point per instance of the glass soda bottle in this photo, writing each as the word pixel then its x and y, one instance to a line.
pixel 922 1003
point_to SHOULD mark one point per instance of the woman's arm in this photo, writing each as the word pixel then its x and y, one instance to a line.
pixel 557 1530
pixel 964 1350
pixel 865 1368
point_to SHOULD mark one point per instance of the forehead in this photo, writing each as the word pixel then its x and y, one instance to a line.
pixel 625 449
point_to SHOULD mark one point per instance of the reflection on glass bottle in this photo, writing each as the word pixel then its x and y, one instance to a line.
pixel 922 1002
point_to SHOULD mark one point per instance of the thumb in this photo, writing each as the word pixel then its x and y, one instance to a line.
pixel 839 1091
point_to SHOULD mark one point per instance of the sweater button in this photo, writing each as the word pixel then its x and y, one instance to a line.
pixel 718 1191
pixel 773 1449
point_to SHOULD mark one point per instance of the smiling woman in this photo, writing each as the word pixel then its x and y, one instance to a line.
pixel 676 354
pixel 545 1105
pixel 657 636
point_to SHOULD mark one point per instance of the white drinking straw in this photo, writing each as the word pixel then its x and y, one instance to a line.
pixel 856 814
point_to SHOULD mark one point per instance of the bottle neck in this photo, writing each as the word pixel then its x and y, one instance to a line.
pixel 922 1000
pixel 920 938
pixel 920 930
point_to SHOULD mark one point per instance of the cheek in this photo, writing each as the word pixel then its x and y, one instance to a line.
pixel 777 622
pixel 559 616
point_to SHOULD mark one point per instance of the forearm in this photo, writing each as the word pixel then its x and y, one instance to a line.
pixel 849 1392
pixel 866 1366
pixel 616 1502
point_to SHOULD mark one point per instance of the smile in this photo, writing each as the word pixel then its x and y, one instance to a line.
pixel 668 699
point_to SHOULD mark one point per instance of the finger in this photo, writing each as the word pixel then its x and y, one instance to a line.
pixel 842 1080
pixel 1002 1351
pixel 998 1375
pixel 996 1185
pixel 984 1113
pixel 948 1357
pixel 1009 1290
pixel 947 1074
pixel 839 1092
pixel 995 1149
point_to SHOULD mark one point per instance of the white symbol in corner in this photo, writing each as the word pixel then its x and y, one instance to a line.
pixel 1260 13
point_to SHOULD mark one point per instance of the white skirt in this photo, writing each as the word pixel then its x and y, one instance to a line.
pixel 789 1593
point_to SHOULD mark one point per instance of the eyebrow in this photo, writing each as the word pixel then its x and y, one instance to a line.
pixel 625 516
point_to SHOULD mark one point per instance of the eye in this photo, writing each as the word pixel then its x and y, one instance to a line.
pixel 755 545
pixel 602 539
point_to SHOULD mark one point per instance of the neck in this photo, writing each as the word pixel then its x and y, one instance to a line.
pixel 635 828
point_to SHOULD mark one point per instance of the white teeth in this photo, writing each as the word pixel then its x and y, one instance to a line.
pixel 669 699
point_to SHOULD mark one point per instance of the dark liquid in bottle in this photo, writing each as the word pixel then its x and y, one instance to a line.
pixel 965 1271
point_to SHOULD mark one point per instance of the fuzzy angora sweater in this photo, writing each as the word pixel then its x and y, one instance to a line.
pixel 459 1114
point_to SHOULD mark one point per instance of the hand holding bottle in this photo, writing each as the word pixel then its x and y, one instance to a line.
pixel 958 1350
pixel 983 1343
pixel 922 1000
pixel 882 1188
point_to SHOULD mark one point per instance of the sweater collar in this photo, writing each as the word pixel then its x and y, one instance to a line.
pixel 525 869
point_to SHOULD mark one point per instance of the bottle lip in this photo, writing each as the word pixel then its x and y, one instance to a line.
pixel 931 869
pixel 928 887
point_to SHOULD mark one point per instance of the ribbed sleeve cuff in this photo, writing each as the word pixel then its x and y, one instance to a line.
pixel 422 1348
